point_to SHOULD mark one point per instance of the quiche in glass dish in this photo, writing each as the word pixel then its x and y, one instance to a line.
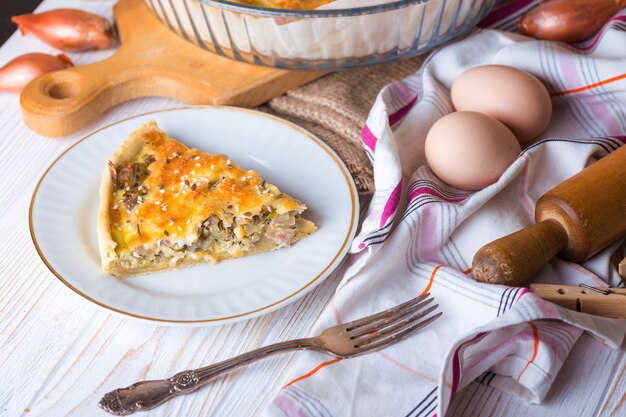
pixel 319 35
pixel 286 4
pixel 166 206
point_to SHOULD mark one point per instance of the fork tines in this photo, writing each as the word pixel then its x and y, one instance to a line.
pixel 392 325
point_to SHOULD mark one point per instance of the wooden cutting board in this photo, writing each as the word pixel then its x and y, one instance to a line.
pixel 151 61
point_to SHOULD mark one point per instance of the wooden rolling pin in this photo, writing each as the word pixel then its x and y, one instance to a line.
pixel 577 218
pixel 569 20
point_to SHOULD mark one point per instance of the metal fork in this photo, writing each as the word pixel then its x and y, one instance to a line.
pixel 343 341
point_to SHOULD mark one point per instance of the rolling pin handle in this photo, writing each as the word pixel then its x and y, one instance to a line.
pixel 514 259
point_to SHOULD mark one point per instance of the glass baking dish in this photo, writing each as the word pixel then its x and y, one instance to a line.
pixel 321 39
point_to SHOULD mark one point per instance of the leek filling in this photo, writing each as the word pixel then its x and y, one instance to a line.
pixel 218 238
pixel 218 241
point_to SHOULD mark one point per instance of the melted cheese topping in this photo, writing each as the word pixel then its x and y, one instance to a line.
pixel 185 187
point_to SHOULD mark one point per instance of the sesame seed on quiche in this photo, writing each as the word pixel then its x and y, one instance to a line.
pixel 166 206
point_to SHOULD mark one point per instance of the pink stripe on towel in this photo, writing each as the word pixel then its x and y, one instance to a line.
pixel 425 190
pixel 288 407
pixel 368 138
pixel 457 365
pixel 398 115
pixel 392 204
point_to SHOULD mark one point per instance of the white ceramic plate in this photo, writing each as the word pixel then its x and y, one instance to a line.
pixel 64 206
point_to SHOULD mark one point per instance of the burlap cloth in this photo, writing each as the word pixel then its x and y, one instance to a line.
pixel 335 108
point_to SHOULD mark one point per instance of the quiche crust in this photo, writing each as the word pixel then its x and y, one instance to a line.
pixel 164 206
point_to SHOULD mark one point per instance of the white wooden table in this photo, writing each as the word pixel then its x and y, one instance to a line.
pixel 59 354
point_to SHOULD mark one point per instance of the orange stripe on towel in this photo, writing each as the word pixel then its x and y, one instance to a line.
pixel 590 86
pixel 535 349
pixel 432 278
pixel 330 362
pixel 312 372
pixel 468 271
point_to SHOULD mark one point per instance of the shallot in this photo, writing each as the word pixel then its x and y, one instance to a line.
pixel 69 30
pixel 569 20
pixel 17 73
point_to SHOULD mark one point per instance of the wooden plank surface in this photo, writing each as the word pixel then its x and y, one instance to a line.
pixel 59 354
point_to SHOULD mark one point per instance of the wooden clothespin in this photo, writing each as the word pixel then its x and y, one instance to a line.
pixel 605 302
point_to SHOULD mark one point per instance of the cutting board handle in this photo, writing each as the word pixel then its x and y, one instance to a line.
pixel 62 102
pixel 151 61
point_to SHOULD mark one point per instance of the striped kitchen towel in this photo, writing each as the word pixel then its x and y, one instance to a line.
pixel 420 235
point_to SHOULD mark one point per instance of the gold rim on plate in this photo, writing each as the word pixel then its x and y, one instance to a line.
pixel 320 143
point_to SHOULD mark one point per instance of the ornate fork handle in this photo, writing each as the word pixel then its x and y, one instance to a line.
pixel 345 340
pixel 145 395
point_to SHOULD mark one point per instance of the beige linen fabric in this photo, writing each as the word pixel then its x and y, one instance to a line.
pixel 335 108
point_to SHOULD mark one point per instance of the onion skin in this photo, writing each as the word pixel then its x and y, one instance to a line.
pixel 17 73
pixel 69 30
pixel 569 20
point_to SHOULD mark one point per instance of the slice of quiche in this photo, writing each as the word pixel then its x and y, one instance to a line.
pixel 165 206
